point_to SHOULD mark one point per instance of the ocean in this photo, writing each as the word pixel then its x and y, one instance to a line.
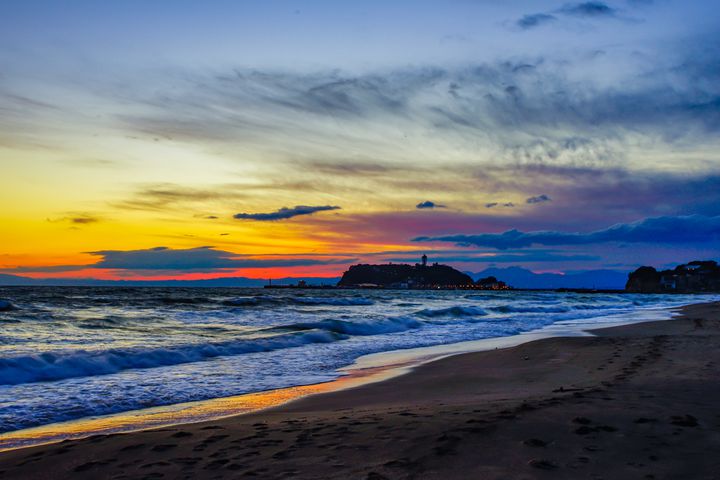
pixel 68 353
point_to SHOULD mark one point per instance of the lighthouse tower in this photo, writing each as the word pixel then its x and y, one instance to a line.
pixel 424 260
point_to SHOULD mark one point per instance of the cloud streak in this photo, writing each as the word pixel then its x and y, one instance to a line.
pixel 535 20
pixel 285 213
pixel 195 260
pixel 538 199
pixel 78 219
pixel 166 196
pixel 588 9
pixel 428 204
pixel 691 229
pixel 520 258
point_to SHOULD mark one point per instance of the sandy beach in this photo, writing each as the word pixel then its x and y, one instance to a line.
pixel 637 401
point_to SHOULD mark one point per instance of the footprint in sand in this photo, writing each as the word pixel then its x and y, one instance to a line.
pixel 535 442
pixel 645 420
pixel 87 466
pixel 542 464
pixel 136 446
pixel 684 421
pixel 164 447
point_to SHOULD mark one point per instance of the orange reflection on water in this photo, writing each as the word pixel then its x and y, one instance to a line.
pixel 191 412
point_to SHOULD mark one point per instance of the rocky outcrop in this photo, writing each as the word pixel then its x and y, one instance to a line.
pixel 404 276
pixel 491 283
pixel 693 277
pixel 643 280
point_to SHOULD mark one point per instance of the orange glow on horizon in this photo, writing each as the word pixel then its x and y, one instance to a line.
pixel 321 271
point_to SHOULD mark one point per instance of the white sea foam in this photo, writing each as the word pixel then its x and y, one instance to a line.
pixel 296 300
pixel 455 311
pixel 82 363
pixel 385 325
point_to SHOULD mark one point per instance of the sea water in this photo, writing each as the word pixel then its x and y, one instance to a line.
pixel 68 353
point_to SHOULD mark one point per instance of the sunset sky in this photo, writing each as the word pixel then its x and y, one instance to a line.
pixel 188 139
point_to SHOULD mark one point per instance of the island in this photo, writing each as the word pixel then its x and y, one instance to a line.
pixel 418 276
pixel 694 277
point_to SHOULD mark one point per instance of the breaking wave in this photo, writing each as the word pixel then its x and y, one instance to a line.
pixel 456 311
pixel 530 309
pixel 387 325
pixel 6 306
pixel 309 301
pixel 84 363
pixel 183 300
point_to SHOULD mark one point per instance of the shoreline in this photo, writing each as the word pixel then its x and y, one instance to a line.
pixel 365 370
pixel 635 401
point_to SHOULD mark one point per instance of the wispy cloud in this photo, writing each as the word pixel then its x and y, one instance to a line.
pixel 77 219
pixel 165 196
pixel 523 108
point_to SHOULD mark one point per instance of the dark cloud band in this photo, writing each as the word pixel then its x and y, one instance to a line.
pixel 538 199
pixel 429 204
pixel 200 259
pixel 691 229
pixel 285 213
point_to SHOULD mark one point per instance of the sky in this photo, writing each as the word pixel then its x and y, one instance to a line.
pixel 186 139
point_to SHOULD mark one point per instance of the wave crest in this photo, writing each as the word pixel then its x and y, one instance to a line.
pixel 6 306
pixel 530 309
pixel 456 311
pixel 387 325
pixel 52 366
pixel 307 301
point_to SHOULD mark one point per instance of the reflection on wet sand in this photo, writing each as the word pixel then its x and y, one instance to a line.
pixel 192 412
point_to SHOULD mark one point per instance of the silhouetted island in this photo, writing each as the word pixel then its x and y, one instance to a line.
pixel 693 277
pixel 418 276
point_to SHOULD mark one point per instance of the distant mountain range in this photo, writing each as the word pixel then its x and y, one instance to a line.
pixel 16 280
pixel 518 277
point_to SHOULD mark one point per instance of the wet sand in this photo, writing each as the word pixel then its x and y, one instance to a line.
pixel 638 401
